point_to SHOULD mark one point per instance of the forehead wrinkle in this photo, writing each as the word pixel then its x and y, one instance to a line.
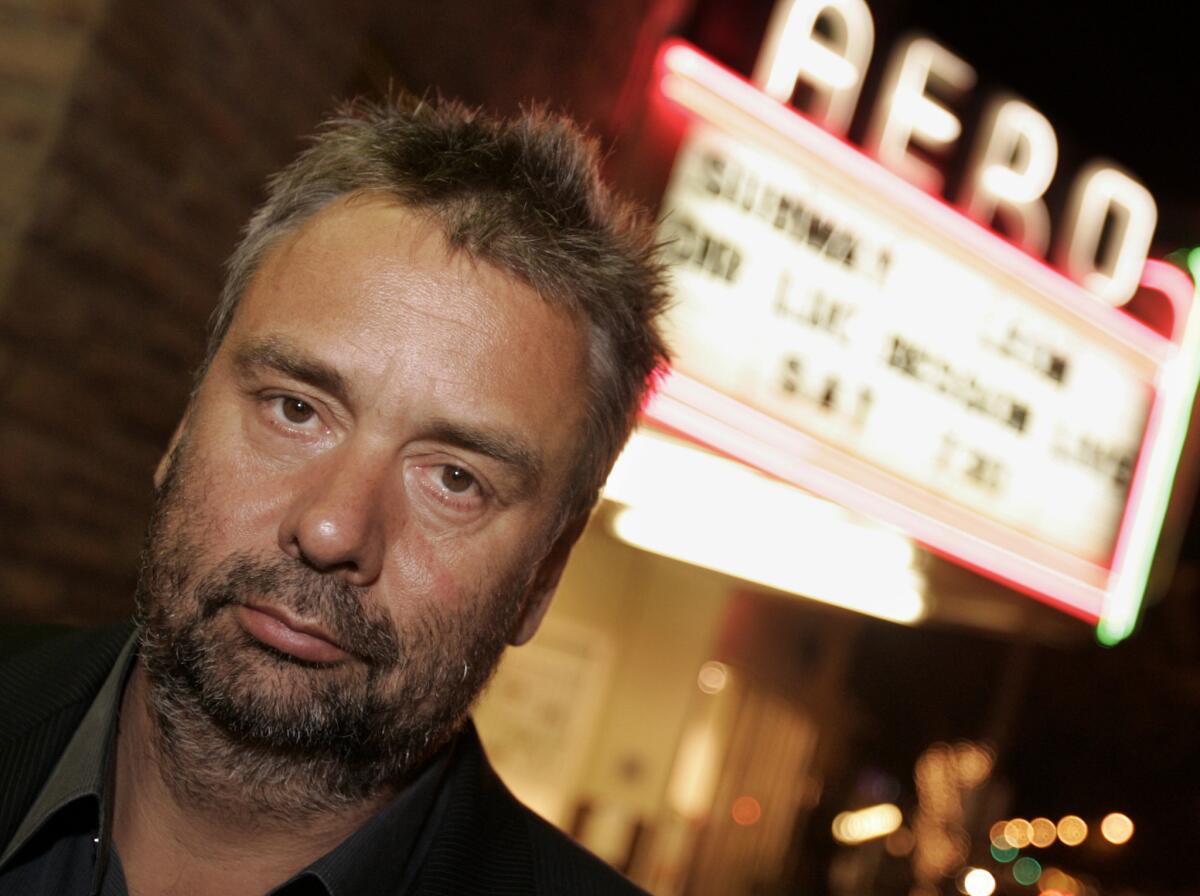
pixel 430 263
pixel 401 292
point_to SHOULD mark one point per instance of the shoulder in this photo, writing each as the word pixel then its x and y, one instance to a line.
pixel 489 842
pixel 563 866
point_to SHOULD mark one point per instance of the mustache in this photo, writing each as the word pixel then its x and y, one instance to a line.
pixel 339 607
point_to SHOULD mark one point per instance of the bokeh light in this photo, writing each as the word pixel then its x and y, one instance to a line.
pixel 996 835
pixel 1026 870
pixel 979 882
pixel 1072 830
pixel 1054 880
pixel 1044 833
pixel 862 825
pixel 973 763
pixel 713 677
pixel 1116 828
pixel 1004 854
pixel 746 811
pixel 1018 833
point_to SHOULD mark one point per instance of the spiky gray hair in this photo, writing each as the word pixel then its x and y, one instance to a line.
pixel 523 194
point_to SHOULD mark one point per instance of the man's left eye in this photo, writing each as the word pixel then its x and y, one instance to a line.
pixel 456 479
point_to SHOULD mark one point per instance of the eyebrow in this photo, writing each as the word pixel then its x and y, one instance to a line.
pixel 497 445
pixel 278 354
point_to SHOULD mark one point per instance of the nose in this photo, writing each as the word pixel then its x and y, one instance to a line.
pixel 335 522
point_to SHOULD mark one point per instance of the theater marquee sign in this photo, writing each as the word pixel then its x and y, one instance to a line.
pixel 841 327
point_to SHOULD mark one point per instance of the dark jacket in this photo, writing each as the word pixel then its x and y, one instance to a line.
pixel 487 842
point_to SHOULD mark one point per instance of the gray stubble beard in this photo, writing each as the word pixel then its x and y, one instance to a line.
pixel 328 747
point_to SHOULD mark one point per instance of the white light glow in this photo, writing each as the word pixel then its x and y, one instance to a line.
pixel 1116 828
pixel 713 677
pixel 694 777
pixel 1014 163
pixel 693 506
pixel 791 50
pixel 979 882
pixel 1101 191
pixel 866 824
pixel 906 113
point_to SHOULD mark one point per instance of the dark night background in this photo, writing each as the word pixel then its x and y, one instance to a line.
pixel 1090 729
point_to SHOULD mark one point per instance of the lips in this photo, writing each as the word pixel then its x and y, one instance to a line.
pixel 280 630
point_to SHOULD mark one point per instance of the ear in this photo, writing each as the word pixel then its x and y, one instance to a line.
pixel 164 462
pixel 545 582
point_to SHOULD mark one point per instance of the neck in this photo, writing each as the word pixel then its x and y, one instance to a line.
pixel 192 806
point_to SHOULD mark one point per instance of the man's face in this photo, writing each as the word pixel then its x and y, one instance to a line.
pixel 363 491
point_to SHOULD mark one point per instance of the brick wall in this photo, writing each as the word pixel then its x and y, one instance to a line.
pixel 174 115
pixel 41 46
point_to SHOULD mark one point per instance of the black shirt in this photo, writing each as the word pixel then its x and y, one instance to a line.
pixel 63 846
